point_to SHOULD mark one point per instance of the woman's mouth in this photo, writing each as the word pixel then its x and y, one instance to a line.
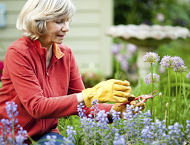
pixel 61 36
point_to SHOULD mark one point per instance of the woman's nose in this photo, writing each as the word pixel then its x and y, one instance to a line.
pixel 65 26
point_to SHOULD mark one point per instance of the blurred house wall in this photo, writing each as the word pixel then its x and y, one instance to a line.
pixel 86 37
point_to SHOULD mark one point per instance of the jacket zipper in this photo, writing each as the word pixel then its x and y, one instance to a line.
pixel 51 92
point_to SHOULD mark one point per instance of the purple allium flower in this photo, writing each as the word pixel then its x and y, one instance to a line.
pixel 180 69
pixel 188 76
pixel 131 48
pixel 177 61
pixel 156 78
pixel 151 57
pixel 120 58
pixel 167 61
pixel 125 65
pixel 161 69
pixel 115 49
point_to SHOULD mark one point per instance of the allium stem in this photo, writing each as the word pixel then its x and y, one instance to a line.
pixel 152 99
pixel 117 66
pixel 176 98
pixel 169 96
pixel 180 98
pixel 161 103
pixel 166 114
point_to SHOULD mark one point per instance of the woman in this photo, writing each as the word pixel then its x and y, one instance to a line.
pixel 41 74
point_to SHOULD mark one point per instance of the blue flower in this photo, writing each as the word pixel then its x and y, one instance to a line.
pixel 11 109
pixel 81 110
pixel 9 124
pixel 51 140
pixel 70 133
pixel 119 140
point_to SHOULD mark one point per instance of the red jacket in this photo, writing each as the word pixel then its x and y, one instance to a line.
pixel 42 95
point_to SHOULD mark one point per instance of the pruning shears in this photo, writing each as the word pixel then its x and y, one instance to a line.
pixel 143 97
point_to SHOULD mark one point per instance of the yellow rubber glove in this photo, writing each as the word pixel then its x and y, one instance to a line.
pixel 122 108
pixel 108 91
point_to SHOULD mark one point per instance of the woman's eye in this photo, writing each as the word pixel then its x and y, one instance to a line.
pixel 59 22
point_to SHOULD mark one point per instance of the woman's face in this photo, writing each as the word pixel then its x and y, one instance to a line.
pixel 56 31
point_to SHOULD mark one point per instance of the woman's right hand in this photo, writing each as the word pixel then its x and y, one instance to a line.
pixel 122 108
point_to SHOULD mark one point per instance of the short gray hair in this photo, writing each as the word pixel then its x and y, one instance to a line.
pixel 35 13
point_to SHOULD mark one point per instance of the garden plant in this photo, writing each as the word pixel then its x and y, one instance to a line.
pixel 137 127
pixel 166 118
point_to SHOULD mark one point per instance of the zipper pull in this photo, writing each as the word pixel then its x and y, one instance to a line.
pixel 47 73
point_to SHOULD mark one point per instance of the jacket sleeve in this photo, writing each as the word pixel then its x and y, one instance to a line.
pixel 29 91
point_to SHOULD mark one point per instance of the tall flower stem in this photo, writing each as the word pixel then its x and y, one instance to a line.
pixel 161 103
pixel 117 66
pixel 94 122
pixel 180 98
pixel 152 88
pixel 169 96
pixel 176 98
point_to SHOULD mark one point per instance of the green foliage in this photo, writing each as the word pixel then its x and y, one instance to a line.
pixel 176 48
pixel 91 78
pixel 74 121
pixel 145 11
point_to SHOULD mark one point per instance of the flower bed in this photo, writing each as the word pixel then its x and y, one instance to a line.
pixel 139 127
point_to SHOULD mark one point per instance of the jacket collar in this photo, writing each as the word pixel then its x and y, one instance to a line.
pixel 56 50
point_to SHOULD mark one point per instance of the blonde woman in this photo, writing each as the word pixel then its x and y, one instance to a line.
pixel 41 74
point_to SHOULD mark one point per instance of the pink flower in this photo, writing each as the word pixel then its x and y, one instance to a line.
pixel 1 69
pixel 1 65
